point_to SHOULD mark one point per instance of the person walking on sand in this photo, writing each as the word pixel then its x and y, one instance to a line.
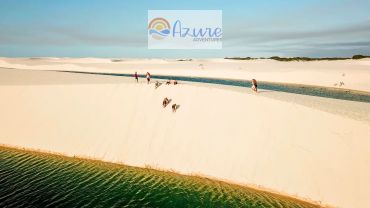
pixel 157 84
pixel 174 108
pixel 165 102
pixel 148 77
pixel 254 85
pixel 136 77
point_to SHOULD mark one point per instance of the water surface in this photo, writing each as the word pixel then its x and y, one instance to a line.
pixel 32 179
pixel 336 93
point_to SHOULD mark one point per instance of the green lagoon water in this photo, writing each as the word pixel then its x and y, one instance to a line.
pixel 32 179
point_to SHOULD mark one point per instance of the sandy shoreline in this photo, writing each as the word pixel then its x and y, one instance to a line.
pixel 312 148
pixel 355 74
pixel 355 110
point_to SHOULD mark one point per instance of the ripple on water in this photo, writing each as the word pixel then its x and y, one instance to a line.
pixel 30 179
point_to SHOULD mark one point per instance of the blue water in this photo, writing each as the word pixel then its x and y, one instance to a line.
pixel 342 94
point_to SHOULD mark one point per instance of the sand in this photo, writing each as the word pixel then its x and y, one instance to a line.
pixel 355 74
pixel 266 141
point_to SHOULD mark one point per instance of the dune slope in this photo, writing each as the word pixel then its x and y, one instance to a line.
pixel 235 136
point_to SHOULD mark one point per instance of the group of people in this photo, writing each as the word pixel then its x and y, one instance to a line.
pixel 167 101
pixel 148 77
pixel 157 84
pixel 171 81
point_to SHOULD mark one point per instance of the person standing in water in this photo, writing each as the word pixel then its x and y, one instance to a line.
pixel 254 85
pixel 136 77
pixel 148 77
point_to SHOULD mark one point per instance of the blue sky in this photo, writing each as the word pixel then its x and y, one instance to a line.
pixel 92 28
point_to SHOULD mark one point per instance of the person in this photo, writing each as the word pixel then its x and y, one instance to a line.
pixel 136 77
pixel 175 82
pixel 168 82
pixel 174 108
pixel 254 85
pixel 148 77
pixel 165 102
pixel 157 84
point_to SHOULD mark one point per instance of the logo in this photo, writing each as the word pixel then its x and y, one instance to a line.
pixel 159 28
pixel 184 29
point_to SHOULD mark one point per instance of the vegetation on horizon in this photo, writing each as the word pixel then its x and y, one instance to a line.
pixel 359 57
pixel 241 58
pixel 277 58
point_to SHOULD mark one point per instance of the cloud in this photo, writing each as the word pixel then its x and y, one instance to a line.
pixel 343 40
pixel 67 36
pixel 251 36
pixel 246 39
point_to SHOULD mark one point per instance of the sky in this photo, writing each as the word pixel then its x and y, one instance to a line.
pixel 118 28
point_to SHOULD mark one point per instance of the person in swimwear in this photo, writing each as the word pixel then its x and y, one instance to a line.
pixel 254 85
pixel 165 102
pixel 174 108
pixel 136 77
pixel 148 77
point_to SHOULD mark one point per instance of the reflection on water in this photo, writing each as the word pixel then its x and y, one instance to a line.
pixel 30 179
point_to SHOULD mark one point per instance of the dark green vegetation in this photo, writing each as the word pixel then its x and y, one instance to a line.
pixel 360 57
pixel 277 58
pixel 31 179
pixel 184 60
pixel 240 58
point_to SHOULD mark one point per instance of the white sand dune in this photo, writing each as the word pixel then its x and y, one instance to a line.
pixel 355 74
pixel 238 136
